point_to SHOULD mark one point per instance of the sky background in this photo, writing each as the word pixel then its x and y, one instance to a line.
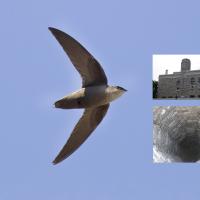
pixel 172 63
pixel 116 161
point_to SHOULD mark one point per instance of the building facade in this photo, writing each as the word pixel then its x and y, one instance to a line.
pixel 183 84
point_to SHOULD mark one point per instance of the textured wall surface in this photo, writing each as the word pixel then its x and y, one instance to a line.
pixel 176 134
pixel 183 84
pixel 179 85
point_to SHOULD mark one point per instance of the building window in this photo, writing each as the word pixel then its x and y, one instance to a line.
pixel 178 82
pixel 192 80
pixel 199 80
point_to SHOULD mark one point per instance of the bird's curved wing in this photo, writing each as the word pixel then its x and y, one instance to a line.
pixel 88 67
pixel 87 123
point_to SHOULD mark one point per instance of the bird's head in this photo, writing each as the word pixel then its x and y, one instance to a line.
pixel 117 91
pixel 121 89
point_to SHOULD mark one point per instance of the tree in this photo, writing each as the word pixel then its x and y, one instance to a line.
pixel 155 89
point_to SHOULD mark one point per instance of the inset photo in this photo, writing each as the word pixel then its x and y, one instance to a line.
pixel 176 77
pixel 176 134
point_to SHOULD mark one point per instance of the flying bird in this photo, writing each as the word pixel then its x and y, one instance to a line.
pixel 94 96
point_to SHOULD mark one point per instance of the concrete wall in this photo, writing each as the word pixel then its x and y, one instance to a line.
pixel 176 133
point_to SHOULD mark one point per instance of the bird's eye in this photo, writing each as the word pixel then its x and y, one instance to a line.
pixel 121 88
pixel 118 87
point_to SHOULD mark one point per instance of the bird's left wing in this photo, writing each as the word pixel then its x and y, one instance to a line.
pixel 86 125
pixel 89 68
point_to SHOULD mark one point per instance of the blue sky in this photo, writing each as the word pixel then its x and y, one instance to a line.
pixel 116 161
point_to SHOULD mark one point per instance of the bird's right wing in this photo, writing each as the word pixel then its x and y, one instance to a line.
pixel 88 67
pixel 87 123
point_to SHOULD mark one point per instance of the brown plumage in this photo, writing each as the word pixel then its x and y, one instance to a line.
pixel 95 95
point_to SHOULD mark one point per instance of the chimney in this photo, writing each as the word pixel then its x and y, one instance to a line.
pixel 185 65
pixel 166 71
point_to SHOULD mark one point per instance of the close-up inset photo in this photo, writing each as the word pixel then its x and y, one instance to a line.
pixel 176 77
pixel 176 134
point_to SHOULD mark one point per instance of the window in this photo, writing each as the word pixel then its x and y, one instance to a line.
pixel 192 80
pixel 178 82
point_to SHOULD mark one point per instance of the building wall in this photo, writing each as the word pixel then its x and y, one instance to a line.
pixel 180 84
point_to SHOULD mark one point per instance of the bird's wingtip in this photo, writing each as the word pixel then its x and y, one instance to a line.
pixel 55 31
pixel 52 29
pixel 55 162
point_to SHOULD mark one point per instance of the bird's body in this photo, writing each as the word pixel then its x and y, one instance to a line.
pixel 89 97
pixel 94 96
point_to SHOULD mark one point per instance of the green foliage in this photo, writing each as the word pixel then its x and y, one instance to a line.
pixel 155 89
